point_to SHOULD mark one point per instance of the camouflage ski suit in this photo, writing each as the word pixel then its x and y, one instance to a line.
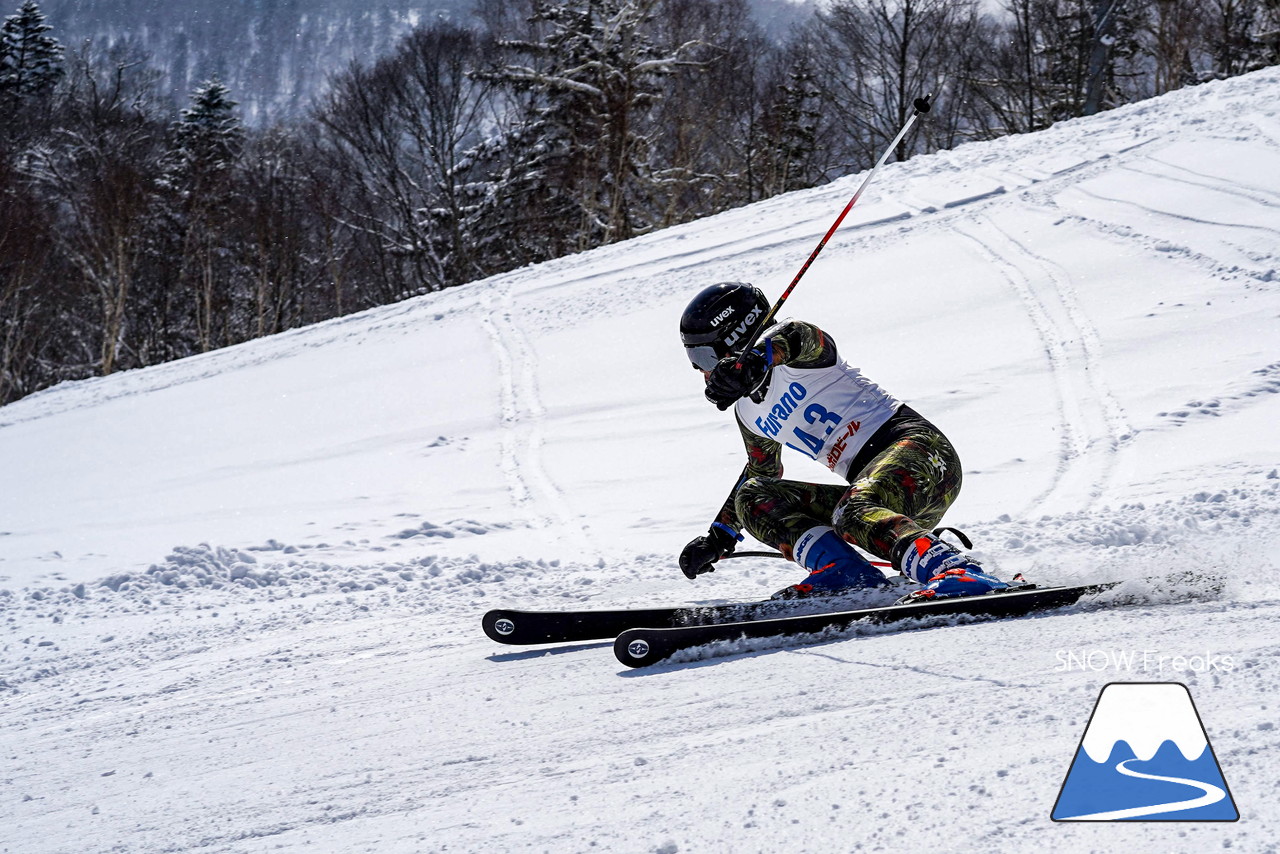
pixel 900 483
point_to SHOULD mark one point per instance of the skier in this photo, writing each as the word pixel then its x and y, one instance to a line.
pixel 793 389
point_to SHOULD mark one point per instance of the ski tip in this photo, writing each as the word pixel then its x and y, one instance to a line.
pixel 639 648
pixel 499 625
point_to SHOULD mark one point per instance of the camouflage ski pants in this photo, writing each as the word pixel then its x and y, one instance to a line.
pixel 903 489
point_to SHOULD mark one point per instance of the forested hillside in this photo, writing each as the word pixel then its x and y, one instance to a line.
pixel 276 55
pixel 449 145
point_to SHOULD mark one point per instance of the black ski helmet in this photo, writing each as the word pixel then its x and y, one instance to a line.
pixel 720 320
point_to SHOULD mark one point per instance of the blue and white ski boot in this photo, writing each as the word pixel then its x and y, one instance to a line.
pixel 834 566
pixel 943 570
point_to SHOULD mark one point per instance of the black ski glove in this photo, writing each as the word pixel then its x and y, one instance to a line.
pixel 727 381
pixel 702 552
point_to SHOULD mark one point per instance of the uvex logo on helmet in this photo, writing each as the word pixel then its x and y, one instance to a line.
pixel 731 340
pixel 722 316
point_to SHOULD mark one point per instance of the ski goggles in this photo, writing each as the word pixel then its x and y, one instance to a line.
pixel 703 356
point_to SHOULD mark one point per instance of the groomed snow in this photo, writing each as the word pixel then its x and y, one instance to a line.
pixel 240 594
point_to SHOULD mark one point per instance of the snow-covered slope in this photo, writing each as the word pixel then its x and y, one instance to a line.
pixel 240 594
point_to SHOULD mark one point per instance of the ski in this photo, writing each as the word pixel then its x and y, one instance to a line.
pixel 511 626
pixel 641 646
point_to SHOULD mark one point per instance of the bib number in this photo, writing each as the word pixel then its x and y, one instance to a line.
pixel 817 415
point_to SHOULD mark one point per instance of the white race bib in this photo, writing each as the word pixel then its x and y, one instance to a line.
pixel 827 414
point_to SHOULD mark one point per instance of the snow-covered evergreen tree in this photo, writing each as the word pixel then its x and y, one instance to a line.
pixel 207 138
pixel 207 141
pixel 30 58
pixel 573 170
pixel 798 115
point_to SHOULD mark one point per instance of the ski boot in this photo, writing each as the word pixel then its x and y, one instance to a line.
pixel 834 566
pixel 943 570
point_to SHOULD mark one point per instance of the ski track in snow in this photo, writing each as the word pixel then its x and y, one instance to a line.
pixel 1091 421
pixel 1126 233
pixel 1119 227
pixel 663 271
pixel 1204 181
pixel 1072 443
pixel 508 405
pixel 1186 218
pixel 524 422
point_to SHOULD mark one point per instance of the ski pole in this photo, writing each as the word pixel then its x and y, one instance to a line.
pixel 784 557
pixel 921 106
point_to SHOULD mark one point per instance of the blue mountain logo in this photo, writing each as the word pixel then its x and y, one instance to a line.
pixel 1145 756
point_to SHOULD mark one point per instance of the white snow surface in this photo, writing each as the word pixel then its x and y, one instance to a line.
pixel 240 594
